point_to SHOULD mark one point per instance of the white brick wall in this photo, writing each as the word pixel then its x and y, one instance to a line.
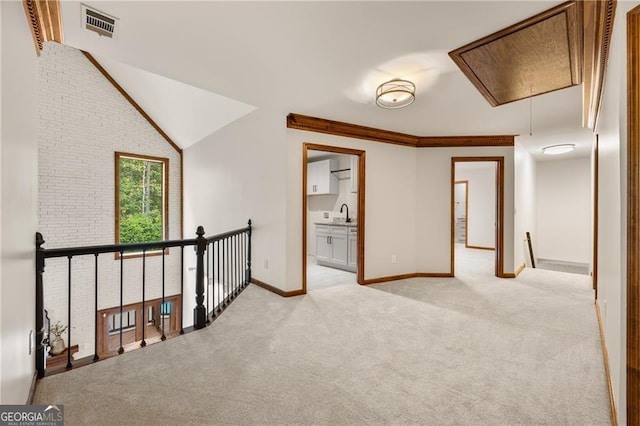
pixel 84 120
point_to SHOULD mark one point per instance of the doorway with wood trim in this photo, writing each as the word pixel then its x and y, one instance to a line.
pixel 479 227
pixel 333 240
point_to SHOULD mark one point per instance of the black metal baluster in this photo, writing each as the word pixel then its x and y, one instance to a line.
pixel 69 365
pixel 224 273
pixel 219 306
pixel 121 350
pixel 234 241
pixel 238 266
pixel 228 266
pixel 237 262
pixel 144 275
pixel 213 280
pixel 207 281
pixel 181 287
pixel 163 337
pixel 241 261
pixel 244 259
pixel 95 319
pixel 249 253
pixel 232 266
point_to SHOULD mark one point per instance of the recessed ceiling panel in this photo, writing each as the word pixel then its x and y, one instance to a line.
pixel 536 56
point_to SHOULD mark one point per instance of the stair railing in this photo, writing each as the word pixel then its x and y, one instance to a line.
pixel 224 259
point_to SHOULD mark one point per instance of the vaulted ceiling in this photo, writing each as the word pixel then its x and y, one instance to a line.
pixel 322 59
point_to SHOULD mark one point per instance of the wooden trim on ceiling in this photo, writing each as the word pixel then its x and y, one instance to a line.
pixel 153 124
pixel 131 101
pixel 605 355
pixel 45 21
pixel 573 14
pixel 633 216
pixel 463 141
pixel 276 290
pixel 361 206
pixel 338 128
pixel 597 26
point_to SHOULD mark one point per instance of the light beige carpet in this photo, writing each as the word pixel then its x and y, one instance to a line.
pixel 473 350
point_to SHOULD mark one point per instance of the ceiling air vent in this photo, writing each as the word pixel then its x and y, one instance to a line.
pixel 99 22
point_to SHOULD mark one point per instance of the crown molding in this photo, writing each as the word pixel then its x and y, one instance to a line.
pixel 45 21
pixel 598 26
pixel 338 128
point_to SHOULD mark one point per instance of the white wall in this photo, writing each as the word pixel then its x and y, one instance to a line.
pixel 525 205
pixel 407 200
pixel 84 120
pixel 253 167
pixel 19 200
pixel 612 220
pixel 433 225
pixel 240 173
pixel 317 204
pixel 389 205
pixel 481 209
pixel 564 210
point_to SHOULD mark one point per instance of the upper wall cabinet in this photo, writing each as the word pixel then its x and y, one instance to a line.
pixel 354 173
pixel 320 180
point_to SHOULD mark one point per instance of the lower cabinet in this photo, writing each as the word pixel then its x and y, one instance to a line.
pixel 334 246
pixel 353 248
pixel 323 248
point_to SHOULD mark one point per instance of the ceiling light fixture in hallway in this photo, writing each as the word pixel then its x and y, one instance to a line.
pixel 558 149
pixel 396 93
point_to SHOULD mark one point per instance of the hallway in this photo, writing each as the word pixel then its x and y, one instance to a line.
pixel 467 350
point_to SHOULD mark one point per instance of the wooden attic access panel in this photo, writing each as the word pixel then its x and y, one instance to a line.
pixel 538 55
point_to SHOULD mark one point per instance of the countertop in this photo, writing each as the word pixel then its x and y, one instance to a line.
pixel 337 223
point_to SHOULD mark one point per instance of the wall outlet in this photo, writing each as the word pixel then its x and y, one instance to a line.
pixel 394 258
pixel 266 264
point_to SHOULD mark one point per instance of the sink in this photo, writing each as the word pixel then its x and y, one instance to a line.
pixel 341 221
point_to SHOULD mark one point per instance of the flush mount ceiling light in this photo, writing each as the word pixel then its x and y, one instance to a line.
pixel 395 93
pixel 558 149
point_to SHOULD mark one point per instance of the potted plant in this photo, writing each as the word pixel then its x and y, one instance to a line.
pixel 55 338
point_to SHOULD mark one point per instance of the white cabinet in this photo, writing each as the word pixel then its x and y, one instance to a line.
pixel 352 239
pixel 334 246
pixel 320 180
pixel 323 248
pixel 338 243
pixel 354 173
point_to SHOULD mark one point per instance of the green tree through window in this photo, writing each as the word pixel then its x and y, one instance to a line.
pixel 140 198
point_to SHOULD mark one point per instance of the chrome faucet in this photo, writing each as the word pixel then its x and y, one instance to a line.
pixel 344 205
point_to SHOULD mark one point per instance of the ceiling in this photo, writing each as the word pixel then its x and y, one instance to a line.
pixel 323 59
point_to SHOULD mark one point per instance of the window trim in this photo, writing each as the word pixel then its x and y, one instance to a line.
pixel 165 200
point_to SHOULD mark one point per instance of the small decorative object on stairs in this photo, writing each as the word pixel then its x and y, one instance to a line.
pixel 57 344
